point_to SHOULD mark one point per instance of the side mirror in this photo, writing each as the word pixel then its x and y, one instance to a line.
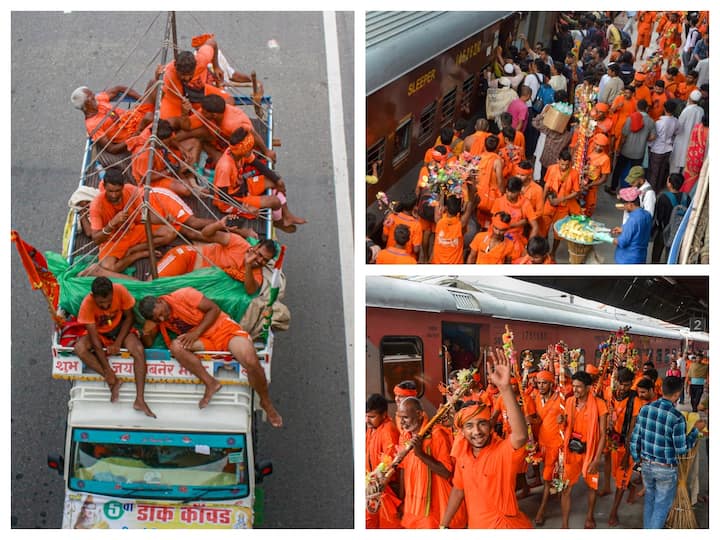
pixel 263 468
pixel 57 463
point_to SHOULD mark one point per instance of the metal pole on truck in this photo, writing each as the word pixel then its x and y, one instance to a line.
pixel 169 28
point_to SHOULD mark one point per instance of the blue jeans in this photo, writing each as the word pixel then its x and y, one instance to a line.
pixel 660 488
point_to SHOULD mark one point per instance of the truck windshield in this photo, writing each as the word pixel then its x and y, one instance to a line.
pixel 159 465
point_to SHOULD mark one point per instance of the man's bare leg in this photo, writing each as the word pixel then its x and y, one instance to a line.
pixel 192 363
pixel 83 350
pixel 540 515
pixel 137 351
pixel 244 352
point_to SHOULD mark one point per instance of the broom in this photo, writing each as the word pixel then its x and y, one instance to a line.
pixel 681 515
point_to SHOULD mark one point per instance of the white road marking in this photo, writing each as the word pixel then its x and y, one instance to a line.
pixel 342 187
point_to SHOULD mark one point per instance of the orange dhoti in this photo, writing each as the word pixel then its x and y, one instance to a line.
pixel 622 476
pixel 550 459
pixel 387 515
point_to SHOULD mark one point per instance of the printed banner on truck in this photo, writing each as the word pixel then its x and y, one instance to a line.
pixel 83 511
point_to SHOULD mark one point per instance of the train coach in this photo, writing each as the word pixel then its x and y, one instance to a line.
pixel 424 71
pixel 409 322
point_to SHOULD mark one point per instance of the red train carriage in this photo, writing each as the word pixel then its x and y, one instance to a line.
pixel 408 321
pixel 424 71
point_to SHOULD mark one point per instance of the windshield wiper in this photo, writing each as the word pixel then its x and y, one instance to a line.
pixel 205 491
pixel 145 489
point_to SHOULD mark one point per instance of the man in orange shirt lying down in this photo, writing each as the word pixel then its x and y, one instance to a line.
pixel 200 324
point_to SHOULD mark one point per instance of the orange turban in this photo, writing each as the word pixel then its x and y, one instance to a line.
pixel 592 370
pixel 471 411
pixel 546 376
pixel 199 41
pixel 602 107
pixel 404 392
pixel 499 223
pixel 244 146
pixel 640 76
pixel 601 139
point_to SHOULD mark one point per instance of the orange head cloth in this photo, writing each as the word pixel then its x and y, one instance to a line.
pixel 546 376
pixel 602 107
pixel 440 158
pixel 518 170
pixel 404 392
pixel 199 41
pixel 592 370
pixel 471 411
pixel 243 147
pixel 499 223
pixel 601 139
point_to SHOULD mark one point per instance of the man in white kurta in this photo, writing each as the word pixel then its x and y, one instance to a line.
pixel 691 115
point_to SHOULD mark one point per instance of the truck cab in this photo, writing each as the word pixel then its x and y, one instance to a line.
pixel 187 468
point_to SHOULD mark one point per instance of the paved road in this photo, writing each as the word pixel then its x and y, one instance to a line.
pixel 52 53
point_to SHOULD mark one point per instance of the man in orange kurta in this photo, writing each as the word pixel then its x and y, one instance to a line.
pixel 562 186
pixel 622 106
pixel 403 216
pixel 486 465
pixel 645 22
pixel 448 245
pixel 381 440
pixel 489 180
pixel 425 472
pixel 550 405
pixel 597 172
pixel 623 410
pixel 584 443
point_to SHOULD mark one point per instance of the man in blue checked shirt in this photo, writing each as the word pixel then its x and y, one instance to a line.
pixel 658 439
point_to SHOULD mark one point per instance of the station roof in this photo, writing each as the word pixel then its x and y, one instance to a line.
pixel 674 299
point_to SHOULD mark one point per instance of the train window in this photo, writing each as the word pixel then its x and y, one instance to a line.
pixel 402 140
pixel 401 359
pixel 467 92
pixel 375 153
pixel 447 107
pixel 427 122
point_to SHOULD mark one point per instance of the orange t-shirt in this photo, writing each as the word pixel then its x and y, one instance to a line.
pixel 533 193
pixel 488 482
pixel 233 118
pixel 119 125
pixel 599 164
pixel 168 204
pixel 617 413
pixel 162 159
pixel 173 86
pixel 522 209
pixel 448 246
pixel 657 106
pixel 643 92
pixel 185 315
pixel 498 254
pixel 684 90
pixel 548 411
pixel 394 255
pixel 563 184
pixel 230 256
pixel 102 211
pixel 400 218
pixel 106 320
pixel 518 141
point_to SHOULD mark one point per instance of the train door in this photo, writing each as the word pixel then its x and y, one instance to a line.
pixel 462 342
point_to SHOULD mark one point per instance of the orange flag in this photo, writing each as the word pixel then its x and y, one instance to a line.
pixel 39 275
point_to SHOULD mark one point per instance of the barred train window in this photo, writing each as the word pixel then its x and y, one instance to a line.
pixel 467 91
pixel 447 107
pixel 375 153
pixel 427 122
pixel 402 140
pixel 401 359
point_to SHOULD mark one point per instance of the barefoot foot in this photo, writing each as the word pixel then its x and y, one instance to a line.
pixel 140 405
pixel 539 520
pixel 589 523
pixel 209 393
pixel 286 228
pixel 115 390
pixel 613 521
pixel 273 416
